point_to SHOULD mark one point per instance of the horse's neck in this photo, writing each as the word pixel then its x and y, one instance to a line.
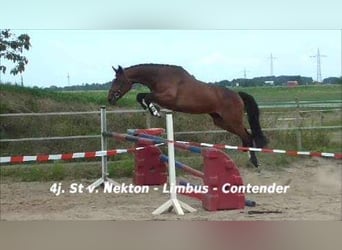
pixel 146 76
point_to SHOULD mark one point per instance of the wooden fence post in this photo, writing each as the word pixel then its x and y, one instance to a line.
pixel 299 125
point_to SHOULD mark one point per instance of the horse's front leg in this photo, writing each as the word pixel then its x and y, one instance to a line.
pixel 145 100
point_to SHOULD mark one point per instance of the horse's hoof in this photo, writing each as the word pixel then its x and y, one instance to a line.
pixel 256 165
pixel 249 164
pixel 156 114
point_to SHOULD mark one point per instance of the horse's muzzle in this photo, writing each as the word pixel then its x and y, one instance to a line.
pixel 112 100
pixel 116 96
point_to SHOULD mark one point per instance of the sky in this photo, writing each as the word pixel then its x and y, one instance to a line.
pixel 214 40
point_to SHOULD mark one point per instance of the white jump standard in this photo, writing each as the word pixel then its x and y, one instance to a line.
pixel 173 202
pixel 104 178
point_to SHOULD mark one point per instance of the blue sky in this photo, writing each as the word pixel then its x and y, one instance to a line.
pixel 214 40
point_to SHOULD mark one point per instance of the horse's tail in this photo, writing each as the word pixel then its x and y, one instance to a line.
pixel 253 119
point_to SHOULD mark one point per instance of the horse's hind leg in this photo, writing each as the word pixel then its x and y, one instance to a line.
pixel 145 100
pixel 238 129
pixel 248 142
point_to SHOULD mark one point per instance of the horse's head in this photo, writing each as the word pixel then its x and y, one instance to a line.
pixel 120 86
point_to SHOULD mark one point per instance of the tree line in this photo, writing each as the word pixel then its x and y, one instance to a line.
pixel 283 80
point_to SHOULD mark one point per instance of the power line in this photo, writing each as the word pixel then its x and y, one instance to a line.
pixel 318 62
pixel 245 73
pixel 271 64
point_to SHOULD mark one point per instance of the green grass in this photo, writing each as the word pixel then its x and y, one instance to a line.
pixel 98 97
pixel 35 172
pixel 94 97
pixel 303 93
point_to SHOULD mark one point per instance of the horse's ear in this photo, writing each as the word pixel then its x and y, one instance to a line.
pixel 114 69
pixel 120 69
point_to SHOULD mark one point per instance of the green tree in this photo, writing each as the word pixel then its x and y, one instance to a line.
pixel 11 49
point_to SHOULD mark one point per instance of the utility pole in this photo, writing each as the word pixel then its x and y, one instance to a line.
pixel 245 82
pixel 271 64
pixel 245 73
pixel 319 73
pixel 68 76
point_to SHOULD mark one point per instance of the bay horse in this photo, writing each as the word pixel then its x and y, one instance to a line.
pixel 174 88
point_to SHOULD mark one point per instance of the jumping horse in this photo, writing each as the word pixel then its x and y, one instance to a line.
pixel 174 88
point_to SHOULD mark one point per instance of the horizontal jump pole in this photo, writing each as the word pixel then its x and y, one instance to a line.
pixel 266 150
pixel 191 148
pixel 184 167
pixel 132 138
pixel 65 157
pixel 197 147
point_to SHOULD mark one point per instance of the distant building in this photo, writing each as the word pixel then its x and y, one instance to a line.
pixel 269 83
pixel 292 84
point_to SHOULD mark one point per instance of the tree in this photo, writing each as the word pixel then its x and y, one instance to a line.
pixel 332 80
pixel 11 49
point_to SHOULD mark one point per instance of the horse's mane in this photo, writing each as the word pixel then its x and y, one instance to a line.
pixel 158 65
